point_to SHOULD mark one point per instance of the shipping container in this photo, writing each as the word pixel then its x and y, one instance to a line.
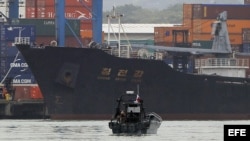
pixel 246 1
pixel 246 47
pixel 35 92
pixel 164 35
pixel 46 27
pixel 13 65
pixel 31 3
pixel 86 33
pixel 246 35
pixel 10 32
pixel 86 25
pixel 211 11
pixel 187 15
pixel 71 12
pixel 69 2
pixel 24 92
pixel 233 26
pixel 75 12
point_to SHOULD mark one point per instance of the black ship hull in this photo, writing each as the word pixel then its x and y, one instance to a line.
pixel 83 83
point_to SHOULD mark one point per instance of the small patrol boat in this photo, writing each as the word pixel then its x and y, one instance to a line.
pixel 130 117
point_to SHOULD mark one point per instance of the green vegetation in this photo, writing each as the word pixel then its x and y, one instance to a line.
pixel 137 14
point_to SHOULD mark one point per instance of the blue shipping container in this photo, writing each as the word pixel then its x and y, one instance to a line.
pixel 13 65
pixel 10 32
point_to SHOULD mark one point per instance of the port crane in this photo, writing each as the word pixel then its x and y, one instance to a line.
pixel 96 20
pixel 61 22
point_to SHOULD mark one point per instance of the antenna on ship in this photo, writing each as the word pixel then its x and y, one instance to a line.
pixel 138 89
pixel 117 16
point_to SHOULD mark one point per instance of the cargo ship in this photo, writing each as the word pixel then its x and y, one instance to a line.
pixel 83 83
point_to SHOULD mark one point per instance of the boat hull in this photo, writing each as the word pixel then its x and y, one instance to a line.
pixel 83 83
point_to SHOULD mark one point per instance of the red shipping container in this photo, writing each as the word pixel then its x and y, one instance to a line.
pixel 70 2
pixel 72 12
pixel 30 3
pixel 35 92
pixel 86 25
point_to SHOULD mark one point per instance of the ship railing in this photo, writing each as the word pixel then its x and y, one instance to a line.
pixel 221 62
pixel 125 51
pixel 22 40
pixel 128 52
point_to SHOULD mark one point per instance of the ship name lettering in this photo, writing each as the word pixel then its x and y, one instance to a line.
pixel 122 73
pixel 138 73
pixel 106 71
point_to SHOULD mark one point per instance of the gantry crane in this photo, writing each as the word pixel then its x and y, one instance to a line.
pixel 96 20
pixel 96 10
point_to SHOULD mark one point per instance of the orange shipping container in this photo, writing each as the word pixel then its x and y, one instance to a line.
pixel 27 92
pixel 86 33
pixel 68 2
pixel 86 25
pixel 234 26
pixel 164 35
pixel 187 15
pixel 211 11
pixel 35 92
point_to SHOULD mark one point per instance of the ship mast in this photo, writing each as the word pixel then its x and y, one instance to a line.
pixel 118 17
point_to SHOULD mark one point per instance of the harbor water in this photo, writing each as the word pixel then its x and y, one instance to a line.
pixel 87 130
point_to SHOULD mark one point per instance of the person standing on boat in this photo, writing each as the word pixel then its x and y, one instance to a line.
pixel 122 117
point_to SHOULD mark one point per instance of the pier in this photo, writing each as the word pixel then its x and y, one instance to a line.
pixel 22 109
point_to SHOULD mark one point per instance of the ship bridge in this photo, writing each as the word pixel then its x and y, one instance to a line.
pixel 231 67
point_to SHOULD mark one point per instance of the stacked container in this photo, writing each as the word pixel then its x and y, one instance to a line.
pixel 12 63
pixel 39 26
pixel 204 14
pixel 74 10
pixel 198 18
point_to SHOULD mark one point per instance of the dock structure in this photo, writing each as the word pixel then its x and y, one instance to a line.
pixel 22 109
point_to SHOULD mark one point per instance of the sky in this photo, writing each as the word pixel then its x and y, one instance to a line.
pixel 162 4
